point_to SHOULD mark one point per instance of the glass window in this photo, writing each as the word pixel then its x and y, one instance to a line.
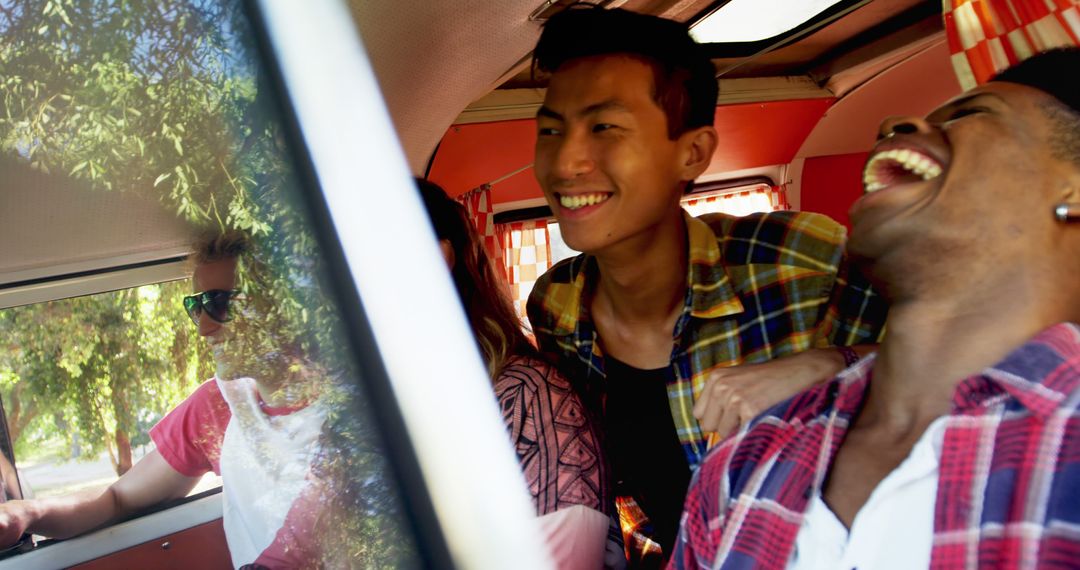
pixel 164 105
pixel 559 249
pixel 753 20
pixel 736 201
pixel 82 383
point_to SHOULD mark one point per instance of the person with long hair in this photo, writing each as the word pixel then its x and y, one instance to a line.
pixel 554 438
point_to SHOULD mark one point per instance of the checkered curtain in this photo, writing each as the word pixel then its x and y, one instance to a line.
pixel 477 203
pixel 987 36
pixel 528 256
pixel 761 198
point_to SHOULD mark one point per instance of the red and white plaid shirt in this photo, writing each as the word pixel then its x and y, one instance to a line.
pixel 1008 490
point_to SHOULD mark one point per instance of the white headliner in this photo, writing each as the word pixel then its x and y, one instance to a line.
pixel 51 225
pixel 427 75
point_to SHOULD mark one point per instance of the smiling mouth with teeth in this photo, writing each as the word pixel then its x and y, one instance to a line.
pixel 582 200
pixel 899 166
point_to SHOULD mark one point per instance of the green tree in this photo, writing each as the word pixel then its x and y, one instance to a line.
pixel 129 353
pixel 162 98
pixel 153 98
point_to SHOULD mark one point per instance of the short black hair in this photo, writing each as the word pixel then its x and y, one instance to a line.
pixel 683 75
pixel 1054 72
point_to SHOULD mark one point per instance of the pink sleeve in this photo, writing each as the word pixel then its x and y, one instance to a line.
pixel 189 437
pixel 577 537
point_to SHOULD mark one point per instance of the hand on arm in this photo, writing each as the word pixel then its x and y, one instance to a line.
pixel 151 481
pixel 734 396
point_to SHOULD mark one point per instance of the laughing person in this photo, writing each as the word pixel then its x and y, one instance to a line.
pixel 675 329
pixel 958 445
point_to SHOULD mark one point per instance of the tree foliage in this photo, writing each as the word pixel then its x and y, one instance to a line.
pixel 162 98
pixel 104 364
pixel 149 97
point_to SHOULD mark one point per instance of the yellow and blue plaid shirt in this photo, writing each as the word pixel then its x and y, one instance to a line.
pixel 760 287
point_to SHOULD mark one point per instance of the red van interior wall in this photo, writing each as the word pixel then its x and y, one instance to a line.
pixel 471 155
pixel 830 184
pixel 751 135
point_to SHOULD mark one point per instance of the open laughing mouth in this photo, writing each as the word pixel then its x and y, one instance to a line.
pixel 894 167
pixel 580 201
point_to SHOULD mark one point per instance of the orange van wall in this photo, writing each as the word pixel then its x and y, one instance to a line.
pixel 471 155
pixel 831 183
pixel 751 135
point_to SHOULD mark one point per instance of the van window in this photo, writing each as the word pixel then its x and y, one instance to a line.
pixel 83 380
pixel 738 201
pixel 129 129
pixel 745 21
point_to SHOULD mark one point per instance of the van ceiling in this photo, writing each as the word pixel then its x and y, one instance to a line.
pixel 54 226
pixel 433 59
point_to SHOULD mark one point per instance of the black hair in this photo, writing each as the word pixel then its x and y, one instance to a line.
pixel 1054 72
pixel 683 75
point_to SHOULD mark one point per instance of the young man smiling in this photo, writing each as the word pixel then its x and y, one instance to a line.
pixel 660 301
pixel 958 445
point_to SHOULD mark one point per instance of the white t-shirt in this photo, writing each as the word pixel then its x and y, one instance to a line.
pixel 265 460
pixel 892 531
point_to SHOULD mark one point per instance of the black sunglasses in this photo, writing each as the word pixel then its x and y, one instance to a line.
pixel 214 302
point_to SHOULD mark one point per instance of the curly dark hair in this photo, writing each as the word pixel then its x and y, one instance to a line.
pixel 217 245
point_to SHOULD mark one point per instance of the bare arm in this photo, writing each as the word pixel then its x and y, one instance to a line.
pixel 734 396
pixel 150 482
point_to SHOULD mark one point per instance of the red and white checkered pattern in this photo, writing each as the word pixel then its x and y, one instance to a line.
pixel 987 36
pixel 477 203
pixel 528 255
pixel 761 198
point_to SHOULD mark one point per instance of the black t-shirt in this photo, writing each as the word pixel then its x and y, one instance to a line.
pixel 647 460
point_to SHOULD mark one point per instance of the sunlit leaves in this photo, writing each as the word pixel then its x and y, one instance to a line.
pixel 101 361
pixel 161 98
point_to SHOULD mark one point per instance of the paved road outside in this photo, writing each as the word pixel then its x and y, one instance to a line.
pixel 55 478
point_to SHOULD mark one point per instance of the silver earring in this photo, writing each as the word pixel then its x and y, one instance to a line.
pixel 1067 211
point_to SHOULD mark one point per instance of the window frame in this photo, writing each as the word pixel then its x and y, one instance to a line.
pixel 144 527
pixel 139 528
pixel 718 50
pixel 431 423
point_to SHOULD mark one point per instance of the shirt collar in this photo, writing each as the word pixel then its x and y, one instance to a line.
pixel 1040 374
pixel 710 294
pixel 845 393
pixel 571 296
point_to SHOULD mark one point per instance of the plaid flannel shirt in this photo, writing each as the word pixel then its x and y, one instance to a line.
pixel 1008 485
pixel 758 287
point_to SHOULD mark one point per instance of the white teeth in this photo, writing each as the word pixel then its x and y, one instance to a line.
pixel 582 200
pixel 911 160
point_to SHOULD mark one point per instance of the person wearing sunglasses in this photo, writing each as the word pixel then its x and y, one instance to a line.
pixel 257 432
pixel 215 303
